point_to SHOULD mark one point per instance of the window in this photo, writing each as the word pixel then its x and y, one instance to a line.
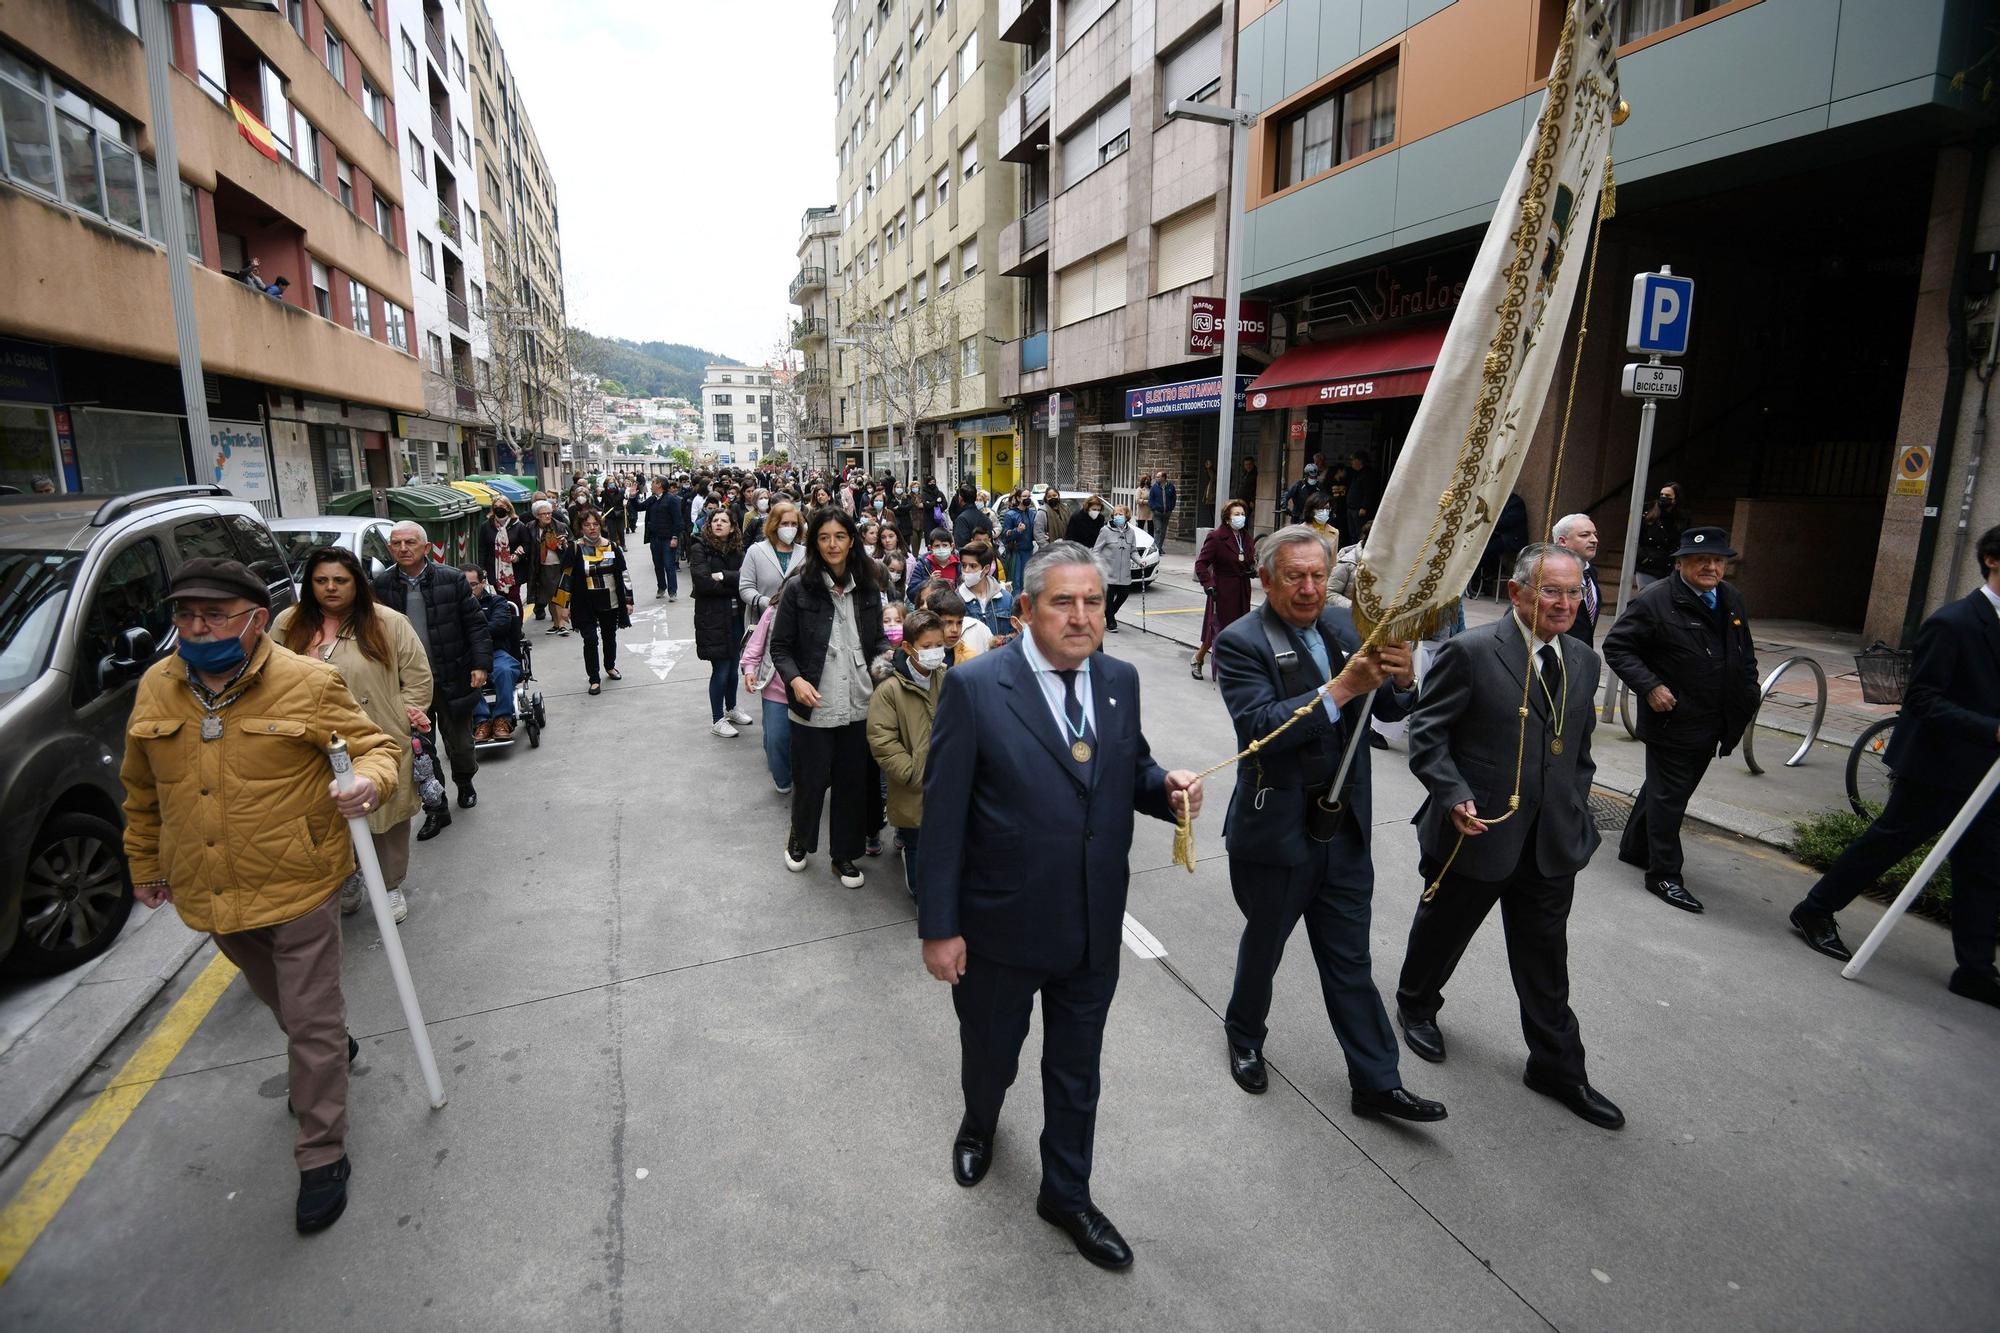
pixel 943 187
pixel 343 172
pixel 417 157
pixel 1091 286
pixel 968 159
pixel 295 12
pixel 1642 18
pixel 434 352
pixel 1079 15
pixel 471 225
pixel 968 258
pixel 385 218
pixel 322 291
pixel 1101 139
pixel 968 58
pixel 458 64
pixel 940 94
pixel 376 105
pixel 1186 248
pixel 917 119
pixel 478 299
pixel 409 55
pixel 357 297
pixel 1356 118
pixel 888 86
pixel 277 111
pixel 336 57
pixel 968 356
pixel 923 288
pixel 464 145
pixel 919 30
pixel 943 275
pixel 305 152
pixel 399 326
pixel 426 258
pixel 920 205
pixel 1193 73
pixel 867 39
pixel 868 111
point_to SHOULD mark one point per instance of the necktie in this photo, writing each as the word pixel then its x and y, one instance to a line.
pixel 1316 647
pixel 1590 593
pixel 1551 663
pixel 1072 705
pixel 1709 598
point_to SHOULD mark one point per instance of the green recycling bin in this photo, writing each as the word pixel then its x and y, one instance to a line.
pixel 449 517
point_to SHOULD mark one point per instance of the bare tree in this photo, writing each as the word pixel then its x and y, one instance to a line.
pixel 909 362
pixel 526 381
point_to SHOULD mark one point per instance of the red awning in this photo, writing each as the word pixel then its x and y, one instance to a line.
pixel 1389 363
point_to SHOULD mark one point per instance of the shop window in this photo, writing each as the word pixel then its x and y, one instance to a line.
pixel 118 452
pixel 1355 118
pixel 27 448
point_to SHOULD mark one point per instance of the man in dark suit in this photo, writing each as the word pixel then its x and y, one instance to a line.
pixel 1943 744
pixel 1684 647
pixel 1297 848
pixel 1576 532
pixel 1464 735
pixel 1037 765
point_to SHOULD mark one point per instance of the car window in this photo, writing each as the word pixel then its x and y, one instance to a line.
pixel 130 593
pixel 203 537
pixel 300 543
pixel 255 549
pixel 375 546
pixel 34 588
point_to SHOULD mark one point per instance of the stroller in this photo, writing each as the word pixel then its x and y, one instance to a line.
pixel 530 712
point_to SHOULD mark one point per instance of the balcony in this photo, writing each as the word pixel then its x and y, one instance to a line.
pixel 468 398
pixel 448 225
pixel 809 329
pixel 812 377
pixel 1035 351
pixel 1024 116
pixel 441 135
pixel 1024 243
pixel 1023 20
pixel 434 39
pixel 809 280
pixel 455 305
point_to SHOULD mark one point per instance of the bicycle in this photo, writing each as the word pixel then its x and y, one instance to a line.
pixel 1885 675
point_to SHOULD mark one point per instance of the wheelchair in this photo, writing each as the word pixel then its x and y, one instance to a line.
pixel 531 714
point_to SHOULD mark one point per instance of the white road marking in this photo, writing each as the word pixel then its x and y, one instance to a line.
pixel 657 650
pixel 1140 940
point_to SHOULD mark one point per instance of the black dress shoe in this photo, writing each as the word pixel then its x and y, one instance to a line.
pixel 1397 1104
pixel 1091 1231
pixel 467 797
pixel 1822 936
pixel 1673 893
pixel 970 1155
pixel 1421 1036
pixel 435 822
pixel 1580 1098
pixel 1983 989
pixel 322 1196
pixel 1247 1068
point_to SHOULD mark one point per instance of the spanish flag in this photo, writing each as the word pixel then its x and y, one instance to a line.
pixel 255 130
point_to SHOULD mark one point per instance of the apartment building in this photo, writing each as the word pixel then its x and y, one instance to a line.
pixel 451 437
pixel 739 414
pixel 1811 166
pixel 287 138
pixel 525 390
pixel 812 335
pixel 917 307
pixel 1120 226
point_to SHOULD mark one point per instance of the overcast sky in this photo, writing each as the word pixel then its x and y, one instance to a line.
pixel 686 139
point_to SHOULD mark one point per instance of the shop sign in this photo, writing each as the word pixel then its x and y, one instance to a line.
pixel 1206 325
pixel 1188 398
pixel 1298 430
pixel 27 372
pixel 1390 292
pixel 998 424
pixel 238 459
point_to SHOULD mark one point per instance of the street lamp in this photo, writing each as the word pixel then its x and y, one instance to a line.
pixel 1239 119
pixel 173 227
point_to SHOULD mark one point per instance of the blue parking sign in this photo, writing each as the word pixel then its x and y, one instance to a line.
pixel 1662 309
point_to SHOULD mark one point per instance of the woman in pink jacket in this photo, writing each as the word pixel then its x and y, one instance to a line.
pixel 761 678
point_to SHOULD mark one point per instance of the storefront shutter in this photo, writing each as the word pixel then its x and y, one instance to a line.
pixel 1187 247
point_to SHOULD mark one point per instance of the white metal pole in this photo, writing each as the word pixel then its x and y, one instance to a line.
pixel 392 943
pixel 1946 841
pixel 1232 309
pixel 153 33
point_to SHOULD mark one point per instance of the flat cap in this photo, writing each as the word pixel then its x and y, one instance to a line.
pixel 207 576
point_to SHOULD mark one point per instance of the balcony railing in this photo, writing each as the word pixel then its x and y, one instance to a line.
pixel 1034 90
pixel 1035 228
pixel 434 39
pixel 1024 115
pixel 468 399
pixel 812 377
pixel 809 329
pixel 441 132
pixel 449 225
pixel 455 304
pixel 1035 351
pixel 809 279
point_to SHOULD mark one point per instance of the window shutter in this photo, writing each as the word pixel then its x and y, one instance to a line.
pixel 1187 247
pixel 1074 295
pixel 1110 278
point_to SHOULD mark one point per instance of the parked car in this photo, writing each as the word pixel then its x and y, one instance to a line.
pixel 367 537
pixel 83 613
pixel 1145 551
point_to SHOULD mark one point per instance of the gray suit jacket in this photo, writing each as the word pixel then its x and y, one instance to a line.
pixel 1462 741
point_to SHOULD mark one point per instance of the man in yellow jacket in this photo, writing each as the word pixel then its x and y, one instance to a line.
pixel 231 816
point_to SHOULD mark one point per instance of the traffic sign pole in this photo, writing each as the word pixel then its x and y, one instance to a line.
pixel 1628 562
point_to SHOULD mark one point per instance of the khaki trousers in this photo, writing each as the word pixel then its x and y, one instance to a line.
pixel 295 970
pixel 392 849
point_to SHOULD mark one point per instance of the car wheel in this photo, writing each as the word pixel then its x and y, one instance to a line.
pixel 75 894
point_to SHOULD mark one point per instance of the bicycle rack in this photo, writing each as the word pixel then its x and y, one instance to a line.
pixel 1621 699
pixel 1812 731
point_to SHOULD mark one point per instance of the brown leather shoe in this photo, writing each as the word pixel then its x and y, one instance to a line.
pixel 503 728
pixel 482 733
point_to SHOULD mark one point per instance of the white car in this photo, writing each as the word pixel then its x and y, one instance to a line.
pixel 1145 551
pixel 366 536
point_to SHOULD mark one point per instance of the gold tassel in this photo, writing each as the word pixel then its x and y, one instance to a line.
pixel 1184 838
pixel 1607 202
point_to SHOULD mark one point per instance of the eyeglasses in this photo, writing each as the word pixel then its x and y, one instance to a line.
pixel 1573 593
pixel 186 618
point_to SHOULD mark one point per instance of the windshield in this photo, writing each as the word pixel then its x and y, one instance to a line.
pixel 34 587
pixel 300 544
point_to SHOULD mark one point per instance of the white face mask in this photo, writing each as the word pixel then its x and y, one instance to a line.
pixel 1322 515
pixel 787 531
pixel 1096 513
pixel 1236 520
pixel 974 577
pixel 930 659
pixel 762 505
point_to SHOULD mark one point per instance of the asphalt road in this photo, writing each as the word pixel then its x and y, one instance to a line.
pixel 691 1090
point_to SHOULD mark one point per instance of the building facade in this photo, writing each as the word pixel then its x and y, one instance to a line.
pixel 450 438
pixel 813 332
pixel 918 308
pixel 287 139
pixel 524 391
pixel 739 414
pixel 1812 166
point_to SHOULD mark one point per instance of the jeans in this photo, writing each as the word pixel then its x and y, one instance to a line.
pixel 721 688
pixel 506 676
pixel 667 568
pixel 909 837
pixel 778 743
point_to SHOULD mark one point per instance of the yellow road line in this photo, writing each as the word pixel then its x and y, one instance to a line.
pixel 58 1175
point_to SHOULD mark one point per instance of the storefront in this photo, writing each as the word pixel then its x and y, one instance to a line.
pixel 988 452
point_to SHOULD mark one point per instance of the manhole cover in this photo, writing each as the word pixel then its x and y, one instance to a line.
pixel 1610 812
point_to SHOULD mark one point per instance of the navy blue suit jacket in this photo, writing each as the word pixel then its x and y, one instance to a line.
pixel 1945 736
pixel 1267 811
pixel 1019 854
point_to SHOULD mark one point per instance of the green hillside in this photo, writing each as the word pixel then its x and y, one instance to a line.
pixel 648 369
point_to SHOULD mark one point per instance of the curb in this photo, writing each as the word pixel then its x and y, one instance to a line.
pixel 1720 816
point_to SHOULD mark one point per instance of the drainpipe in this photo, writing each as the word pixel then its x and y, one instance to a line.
pixel 1954 388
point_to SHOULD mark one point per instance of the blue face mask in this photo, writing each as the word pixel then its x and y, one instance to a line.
pixel 215 658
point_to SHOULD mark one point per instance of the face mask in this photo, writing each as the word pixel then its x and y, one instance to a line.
pixel 973 578
pixel 1321 515
pixel 1097 513
pixel 1236 521
pixel 1312 472
pixel 1118 520
pixel 763 505
pixel 215 658
pixel 787 531
pixel 930 659
pixel 878 504
pixel 893 633
pixel 940 553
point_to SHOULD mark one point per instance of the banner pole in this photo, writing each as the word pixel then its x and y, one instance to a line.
pixel 1946 841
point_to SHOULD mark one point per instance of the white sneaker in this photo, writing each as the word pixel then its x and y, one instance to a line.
pixel 722 728
pixel 399 906
pixel 738 716
pixel 351 894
